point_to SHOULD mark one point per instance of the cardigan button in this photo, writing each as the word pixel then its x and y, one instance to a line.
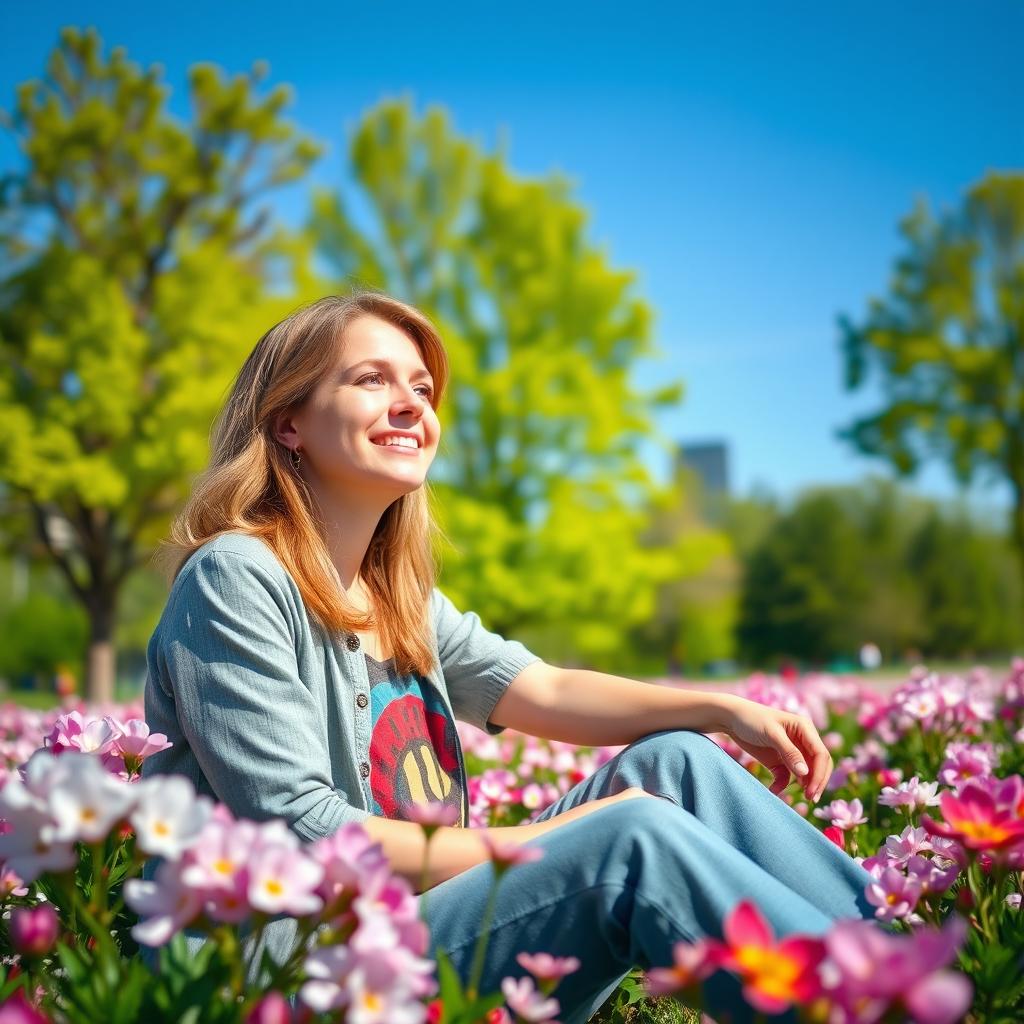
pixel 361 700
pixel 352 642
pixel 364 770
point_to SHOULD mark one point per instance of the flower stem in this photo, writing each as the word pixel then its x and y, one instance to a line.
pixel 481 943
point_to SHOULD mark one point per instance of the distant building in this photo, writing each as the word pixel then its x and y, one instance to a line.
pixel 710 461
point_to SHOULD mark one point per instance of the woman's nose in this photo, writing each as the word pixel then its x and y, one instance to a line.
pixel 411 400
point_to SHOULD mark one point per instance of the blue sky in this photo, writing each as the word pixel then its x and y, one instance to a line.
pixel 751 161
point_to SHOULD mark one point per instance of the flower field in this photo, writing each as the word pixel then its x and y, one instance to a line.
pixel 927 794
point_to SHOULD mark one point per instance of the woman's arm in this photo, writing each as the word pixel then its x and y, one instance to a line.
pixel 255 728
pixel 454 850
pixel 591 708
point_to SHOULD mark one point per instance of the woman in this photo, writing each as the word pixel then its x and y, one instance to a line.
pixel 306 668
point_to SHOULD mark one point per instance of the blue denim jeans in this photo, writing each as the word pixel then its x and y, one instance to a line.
pixel 619 887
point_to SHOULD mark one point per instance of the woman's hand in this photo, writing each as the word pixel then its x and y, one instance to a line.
pixel 782 742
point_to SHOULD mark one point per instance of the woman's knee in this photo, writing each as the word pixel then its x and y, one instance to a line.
pixel 659 748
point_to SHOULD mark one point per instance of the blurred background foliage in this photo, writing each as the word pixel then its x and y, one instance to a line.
pixel 139 264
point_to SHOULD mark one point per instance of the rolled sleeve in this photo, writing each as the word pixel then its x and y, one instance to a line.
pixel 257 732
pixel 478 665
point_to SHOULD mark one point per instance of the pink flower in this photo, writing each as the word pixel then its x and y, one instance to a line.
pixel 966 761
pixel 349 857
pixel 433 815
pixel 545 967
pixel 135 743
pixel 283 880
pixel 215 867
pixel 34 930
pixel 932 877
pixel 166 904
pixel 10 883
pixel 894 894
pixel 692 963
pixel 505 855
pixel 913 794
pixel 841 814
pixel 899 849
pixel 872 971
pixel 525 1001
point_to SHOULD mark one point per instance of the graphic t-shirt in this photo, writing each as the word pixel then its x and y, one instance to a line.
pixel 413 753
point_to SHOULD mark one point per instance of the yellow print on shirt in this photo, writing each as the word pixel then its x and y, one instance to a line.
pixel 431 776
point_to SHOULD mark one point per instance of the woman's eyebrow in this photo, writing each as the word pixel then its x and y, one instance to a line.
pixel 383 364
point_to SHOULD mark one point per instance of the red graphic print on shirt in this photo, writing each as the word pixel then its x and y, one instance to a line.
pixel 413 754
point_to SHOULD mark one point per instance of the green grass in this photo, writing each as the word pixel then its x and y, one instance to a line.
pixel 42 700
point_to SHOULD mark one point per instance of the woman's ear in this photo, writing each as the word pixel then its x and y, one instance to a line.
pixel 285 431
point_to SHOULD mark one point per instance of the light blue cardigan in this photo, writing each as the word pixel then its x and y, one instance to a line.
pixel 261 703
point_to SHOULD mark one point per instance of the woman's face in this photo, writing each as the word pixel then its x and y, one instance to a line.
pixel 369 425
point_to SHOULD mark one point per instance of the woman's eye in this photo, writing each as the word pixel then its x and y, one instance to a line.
pixel 427 390
pixel 376 377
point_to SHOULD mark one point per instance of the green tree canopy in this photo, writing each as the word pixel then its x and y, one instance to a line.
pixel 133 263
pixel 539 480
pixel 946 344
pixel 847 565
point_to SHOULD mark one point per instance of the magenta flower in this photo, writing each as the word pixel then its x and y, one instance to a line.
pixel 894 894
pixel 34 930
pixel 16 1009
pixel 273 1008
pixel 525 1001
pixel 987 814
pixel 932 877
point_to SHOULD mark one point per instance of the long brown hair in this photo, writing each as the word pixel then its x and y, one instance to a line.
pixel 250 485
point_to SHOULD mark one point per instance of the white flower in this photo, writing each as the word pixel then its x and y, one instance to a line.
pixel 85 799
pixel 30 847
pixel 168 815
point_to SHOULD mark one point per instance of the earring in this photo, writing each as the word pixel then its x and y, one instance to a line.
pixel 296 457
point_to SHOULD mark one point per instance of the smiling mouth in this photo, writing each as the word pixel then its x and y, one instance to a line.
pixel 402 449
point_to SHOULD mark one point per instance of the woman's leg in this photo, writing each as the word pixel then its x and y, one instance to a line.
pixel 617 889
pixel 695 773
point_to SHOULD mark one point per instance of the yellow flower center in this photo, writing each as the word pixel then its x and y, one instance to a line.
pixel 161 829
pixel 223 866
pixel 987 831
pixel 274 887
pixel 772 972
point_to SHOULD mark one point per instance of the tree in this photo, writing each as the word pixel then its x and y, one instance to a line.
pixel 970 605
pixel 804 584
pixel 133 264
pixel 538 479
pixel 947 344
pixel 871 562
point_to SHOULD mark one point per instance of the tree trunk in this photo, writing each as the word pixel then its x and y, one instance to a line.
pixel 101 659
